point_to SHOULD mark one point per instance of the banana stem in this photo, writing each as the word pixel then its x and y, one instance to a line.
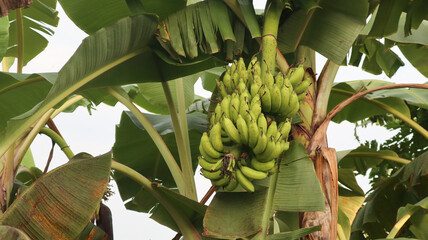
pixel 20 30
pixel 176 173
pixel 185 160
pixel 58 140
pixel 270 32
pixel 267 212
pixel 186 227
pixel 400 224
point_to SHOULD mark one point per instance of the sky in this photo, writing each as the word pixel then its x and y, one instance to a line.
pixel 95 133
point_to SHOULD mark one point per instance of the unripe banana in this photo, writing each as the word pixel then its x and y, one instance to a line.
pixel 256 106
pixel 302 86
pixel 266 99
pixel 234 152
pixel 242 86
pixel 226 140
pixel 284 146
pixel 285 99
pixel 231 130
pixel 210 166
pixel 221 182
pixel 285 128
pixel 253 133
pixel 215 137
pixel 225 106
pixel 212 119
pixel 242 129
pixel 233 183
pixel 227 80
pixel 279 80
pixel 301 96
pixel 293 104
pixel 245 96
pixel 252 174
pixel 244 182
pixel 234 106
pixel 218 113
pixel 261 144
pixel 265 156
pixel 234 66
pixel 241 65
pixel 212 175
pixel 222 88
pixel 256 68
pixel 235 79
pixel 268 80
pixel 208 148
pixel 272 130
pixel 262 166
pixel 255 89
pixel 262 123
pixel 276 99
pixel 244 107
pixel 296 75
pixel 206 156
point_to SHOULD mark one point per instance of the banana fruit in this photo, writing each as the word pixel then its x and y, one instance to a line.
pixel 249 127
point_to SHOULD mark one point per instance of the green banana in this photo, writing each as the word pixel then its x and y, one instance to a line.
pixel 231 130
pixel 261 143
pixel 302 86
pixel 234 106
pixel 233 183
pixel 266 99
pixel 262 166
pixel 265 155
pixel 279 80
pixel 255 89
pixel 210 166
pixel 293 103
pixel 285 99
pixel 296 75
pixel 272 130
pixel 262 123
pixel 227 80
pixel 212 175
pixel 222 88
pixel 225 106
pixel 269 80
pixel 208 148
pixel 252 173
pixel 253 133
pixel 221 182
pixel 275 99
pixel 218 113
pixel 244 182
pixel 215 137
pixel 205 155
pixel 285 128
pixel 242 129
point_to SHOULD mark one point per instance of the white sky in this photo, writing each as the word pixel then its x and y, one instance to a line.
pixel 95 134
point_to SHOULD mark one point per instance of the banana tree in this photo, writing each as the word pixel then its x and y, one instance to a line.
pixel 267 185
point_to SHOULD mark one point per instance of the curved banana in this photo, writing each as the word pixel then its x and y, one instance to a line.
pixel 212 175
pixel 210 166
pixel 272 130
pixel 269 80
pixel 296 75
pixel 206 156
pixel 244 107
pixel 234 106
pixel 215 137
pixel 266 100
pixel 296 107
pixel 231 130
pixel 262 122
pixel 301 88
pixel 265 156
pixel 221 182
pixel 227 80
pixel 218 113
pixel 293 104
pixel 279 79
pixel 276 98
pixel 244 182
pixel 253 133
pixel 242 86
pixel 253 174
pixel 208 148
pixel 285 99
pixel 225 106
pixel 285 128
pixel 261 144
pixel 262 166
pixel 233 183
pixel 242 129
pixel 222 88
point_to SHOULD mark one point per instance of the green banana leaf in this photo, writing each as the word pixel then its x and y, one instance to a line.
pixel 331 30
pixel 4 35
pixel 39 20
pixel 406 186
pixel 89 61
pixel 92 232
pixel 417 56
pixel 250 17
pixel 349 204
pixel 419 217
pixel 24 91
pixel 11 233
pixel 61 203
pixel 135 148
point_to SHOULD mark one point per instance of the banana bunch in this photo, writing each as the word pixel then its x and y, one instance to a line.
pixel 242 143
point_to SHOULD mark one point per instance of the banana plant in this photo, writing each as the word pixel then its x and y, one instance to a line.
pixel 149 53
